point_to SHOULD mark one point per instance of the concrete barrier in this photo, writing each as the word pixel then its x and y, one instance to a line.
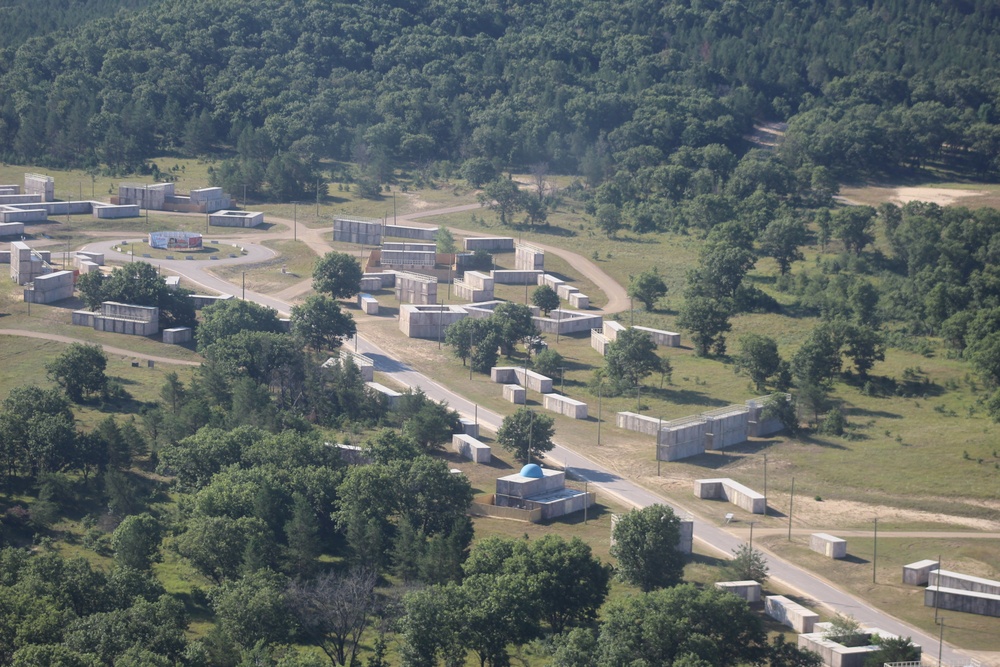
pixel 681 438
pixel 549 280
pixel 968 602
pixel 528 257
pixel 828 545
pixel 469 427
pixel 964 582
pixel 514 393
pixel 404 232
pixel 579 301
pixel 471 448
pixel 368 304
pixel 566 322
pixel 565 406
pixel 630 421
pixel 533 381
pixel 790 613
pixel 599 341
pixel 503 375
pixel 728 489
pixel 178 335
pixel 748 590
pixel 564 291
pixel 357 231
pixel 918 574
pixel 661 337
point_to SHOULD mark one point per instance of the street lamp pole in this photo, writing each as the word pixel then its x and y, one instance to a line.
pixel 600 385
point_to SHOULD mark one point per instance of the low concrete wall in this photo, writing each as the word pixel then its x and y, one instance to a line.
pixel 918 574
pixel 533 515
pixel 514 393
pixel 428 321
pixel 661 337
pixel 469 427
pixel 205 300
pixel 385 279
pixel 599 341
pixel 631 421
pixel 490 243
pixel 359 231
pixel 736 493
pixel 748 590
pixel 11 229
pixel 471 448
pixel 565 406
pixel 236 219
pixel 828 545
pixel 759 427
pixel 550 280
pixel 508 277
pixel 50 287
pixel 15 215
pixel 566 322
pixel 968 602
pixel 580 301
pixel 790 613
pixel 564 291
pixel 113 212
pixel 178 335
pixel 963 582
pixel 503 375
pixel 681 438
pixel 533 381
pixel 726 427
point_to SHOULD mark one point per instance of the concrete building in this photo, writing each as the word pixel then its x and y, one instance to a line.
pixel 790 613
pixel 834 654
pixel 121 318
pixel 726 427
pixel 662 337
pixel 391 395
pixel 528 257
pixel 357 230
pixel 162 197
pixel 514 393
pixel 599 341
pixel 681 438
pixel 178 335
pixel 415 288
pixel 26 264
pixel 102 211
pixel 404 232
pixel 962 592
pixel 515 277
pixel 631 421
pixel 471 448
pixel 368 304
pixel 918 574
pixel 428 321
pixel 535 487
pixel 579 301
pixel 49 288
pixel 410 259
pixel 475 286
pixel 759 426
pixel 565 405
pixel 236 219
pixel 748 590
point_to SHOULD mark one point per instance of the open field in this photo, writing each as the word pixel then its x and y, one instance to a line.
pixel 293 264
pixel 945 193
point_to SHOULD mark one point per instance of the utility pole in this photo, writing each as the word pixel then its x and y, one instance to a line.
pixel 751 534
pixel 941 635
pixel 600 385
pixel 470 355
pixel 765 483
pixel 244 196
pixel 791 501
pixel 586 498
pixel 244 285
pixel 875 551
pixel 562 380
pixel 295 221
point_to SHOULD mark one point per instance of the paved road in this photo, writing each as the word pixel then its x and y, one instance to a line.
pixel 723 541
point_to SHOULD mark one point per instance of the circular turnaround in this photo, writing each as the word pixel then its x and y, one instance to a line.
pixel 175 240
pixel 532 470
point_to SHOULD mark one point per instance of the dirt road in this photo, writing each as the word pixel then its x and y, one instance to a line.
pixel 110 349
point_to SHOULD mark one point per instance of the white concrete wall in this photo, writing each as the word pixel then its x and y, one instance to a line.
pixel 828 545
pixel 514 393
pixel 790 613
pixel 565 406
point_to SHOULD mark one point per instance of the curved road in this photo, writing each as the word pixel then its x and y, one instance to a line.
pixel 723 541
pixel 107 348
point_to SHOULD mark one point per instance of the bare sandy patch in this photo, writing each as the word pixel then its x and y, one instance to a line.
pixel 939 196
pixel 416 202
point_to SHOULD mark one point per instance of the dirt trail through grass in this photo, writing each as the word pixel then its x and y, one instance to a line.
pixel 107 348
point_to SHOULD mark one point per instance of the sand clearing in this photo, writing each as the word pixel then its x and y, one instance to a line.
pixel 939 196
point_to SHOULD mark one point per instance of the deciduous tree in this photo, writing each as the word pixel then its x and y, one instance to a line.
pixel 80 371
pixel 337 274
pixel 645 544
pixel 545 298
pixel 321 324
pixel 526 434
pixel 647 287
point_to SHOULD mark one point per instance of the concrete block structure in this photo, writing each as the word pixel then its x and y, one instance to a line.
pixel 357 230
pixel 205 300
pixel 790 613
pixel 11 228
pixel 662 337
pixel 503 375
pixel 391 395
pixel 469 427
pixel 415 233
pixel 533 381
pixel 368 304
pixel 549 280
pixel 27 264
pixel 962 592
pixel 528 257
pixel 579 301
pixel 748 590
pixel 38 184
pixel 213 199
pixel 565 405
pixel 515 277
pixel 152 197
pixel 535 487
pixel 725 427
pixel 681 438
pixel 14 189
pixel 726 489
pixel 428 321
pixel 828 545
pixel 408 258
pixel 837 655
pixel 565 290
pixel 514 393
pixel 403 246
pixel 918 574
pixel 113 212
pixel 611 329
pixel 599 341
pixel 86 266
pixel 19 200
pixel 566 322
pixel 123 318
pixel 243 219
pixel 20 214
pixel 49 288
pixel 162 197
pixel 631 421
pixel 475 286
pixel 415 288
pixel 471 448
pixel 759 427
pixel 384 279
pixel 178 335
pixel 364 364
pixel 491 244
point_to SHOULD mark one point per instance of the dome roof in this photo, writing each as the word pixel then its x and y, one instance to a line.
pixel 532 470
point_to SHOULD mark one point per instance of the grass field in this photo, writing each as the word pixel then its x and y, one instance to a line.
pixel 293 264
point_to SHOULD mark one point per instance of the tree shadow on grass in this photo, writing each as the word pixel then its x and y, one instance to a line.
pixel 594 512
pixel 704 559
pixel 820 442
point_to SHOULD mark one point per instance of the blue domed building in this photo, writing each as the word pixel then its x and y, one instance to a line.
pixel 535 487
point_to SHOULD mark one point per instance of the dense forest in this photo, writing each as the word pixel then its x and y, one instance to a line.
pixel 585 87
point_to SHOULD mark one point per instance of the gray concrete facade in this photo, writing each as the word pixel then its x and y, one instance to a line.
pixel 415 288
pixel 243 219
pixel 918 574
pixel 727 489
pixel 491 244
pixel 471 448
pixel 828 545
pixel 790 613
pixel 565 405
pixel 357 230
pixel 428 321
pixel 404 232
pixel 50 288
